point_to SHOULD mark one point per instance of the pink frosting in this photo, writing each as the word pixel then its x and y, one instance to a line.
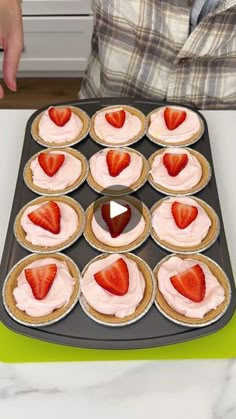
pixel 41 237
pixel 165 227
pixel 183 132
pixel 127 236
pixel 186 179
pixel 67 174
pixel 100 172
pixel 52 133
pixel 108 133
pixel 214 295
pixel 107 303
pixel 58 295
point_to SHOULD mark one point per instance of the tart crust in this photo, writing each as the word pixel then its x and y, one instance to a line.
pixel 28 178
pixel 85 130
pixel 126 190
pixel 20 234
pixel 205 179
pixel 135 139
pixel 208 241
pixel 97 244
pixel 11 283
pixel 141 309
pixel 212 315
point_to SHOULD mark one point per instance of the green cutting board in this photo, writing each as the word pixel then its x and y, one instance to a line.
pixel 18 348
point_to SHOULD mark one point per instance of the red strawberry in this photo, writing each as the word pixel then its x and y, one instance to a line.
pixel 116 118
pixel 51 163
pixel 114 278
pixel 60 116
pixel 48 216
pixel 116 224
pixel 175 163
pixel 117 161
pixel 174 117
pixel 183 214
pixel 190 283
pixel 40 279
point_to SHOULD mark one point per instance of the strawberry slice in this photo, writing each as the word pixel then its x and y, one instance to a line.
pixel 48 216
pixel 190 283
pixel 114 278
pixel 116 224
pixel 51 163
pixel 183 214
pixel 174 117
pixel 60 116
pixel 41 279
pixel 116 118
pixel 117 161
pixel 175 163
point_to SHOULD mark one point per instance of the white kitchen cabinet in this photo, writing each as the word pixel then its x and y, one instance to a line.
pixel 56 7
pixel 56 44
pixel 57 37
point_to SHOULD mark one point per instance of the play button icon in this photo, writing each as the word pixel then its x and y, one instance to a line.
pixel 125 210
pixel 116 209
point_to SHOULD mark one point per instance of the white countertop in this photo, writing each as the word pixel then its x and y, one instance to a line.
pixel 167 389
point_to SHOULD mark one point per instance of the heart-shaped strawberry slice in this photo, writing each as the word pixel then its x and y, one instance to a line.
pixel 174 118
pixel 183 214
pixel 175 163
pixel 41 279
pixel 117 161
pixel 116 118
pixel 48 216
pixel 114 278
pixel 51 163
pixel 116 224
pixel 190 283
pixel 60 116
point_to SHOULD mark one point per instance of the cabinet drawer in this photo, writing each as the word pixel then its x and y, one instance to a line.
pixel 56 7
pixel 56 43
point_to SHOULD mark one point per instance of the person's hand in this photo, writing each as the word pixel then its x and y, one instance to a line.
pixel 11 40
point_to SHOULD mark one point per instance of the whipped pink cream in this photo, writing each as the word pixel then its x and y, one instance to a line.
pixel 100 173
pixel 105 302
pixel 58 295
pixel 214 295
pixel 132 126
pixel 52 133
pixel 67 174
pixel 186 179
pixel 165 227
pixel 158 128
pixel 127 236
pixel 41 237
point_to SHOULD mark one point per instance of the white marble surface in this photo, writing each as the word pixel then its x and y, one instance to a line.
pixel 166 389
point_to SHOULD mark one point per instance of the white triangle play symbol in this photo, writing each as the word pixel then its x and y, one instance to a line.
pixel 116 209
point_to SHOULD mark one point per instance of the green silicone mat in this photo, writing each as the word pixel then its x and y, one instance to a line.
pixel 18 348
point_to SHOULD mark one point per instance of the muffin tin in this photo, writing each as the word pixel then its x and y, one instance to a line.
pixel 77 329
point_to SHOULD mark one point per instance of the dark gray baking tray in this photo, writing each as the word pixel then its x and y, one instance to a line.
pixel 77 329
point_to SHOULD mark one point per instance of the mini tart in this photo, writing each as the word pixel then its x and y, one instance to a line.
pixel 210 317
pixel 11 283
pixel 205 179
pixel 208 241
pixel 191 140
pixel 97 244
pixel 20 234
pixel 126 190
pixel 141 309
pixel 28 178
pixel 85 130
pixel 135 139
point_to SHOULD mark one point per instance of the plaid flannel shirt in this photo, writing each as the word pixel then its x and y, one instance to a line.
pixel 142 48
